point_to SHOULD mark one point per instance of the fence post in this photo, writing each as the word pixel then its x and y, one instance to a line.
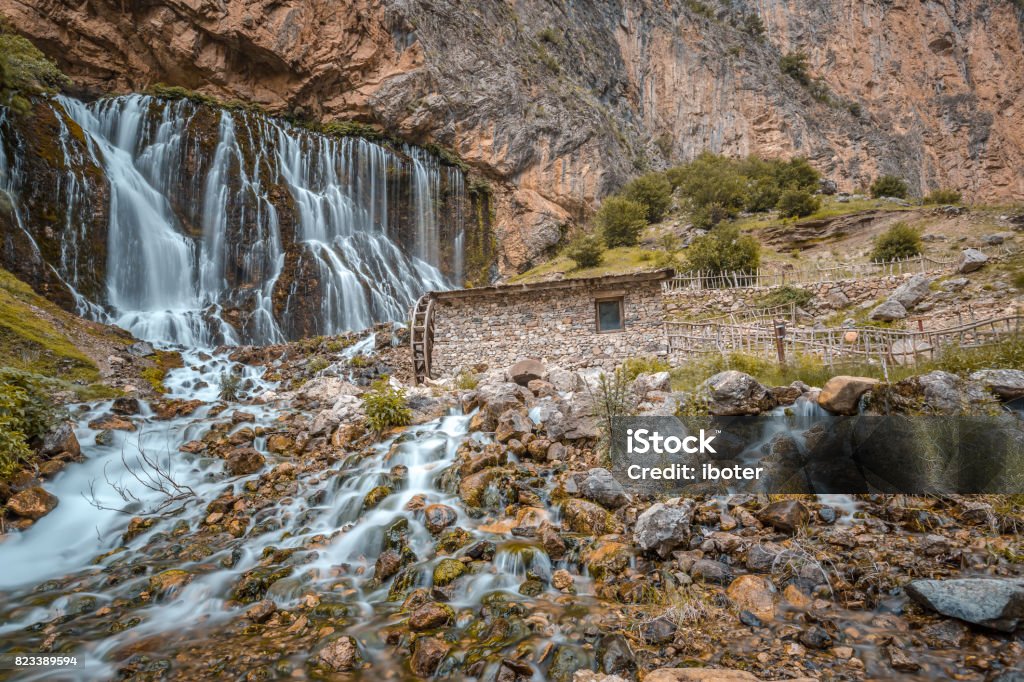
pixel 780 335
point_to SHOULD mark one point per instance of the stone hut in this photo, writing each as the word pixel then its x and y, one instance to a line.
pixel 567 322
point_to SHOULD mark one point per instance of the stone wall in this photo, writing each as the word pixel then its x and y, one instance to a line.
pixel 555 325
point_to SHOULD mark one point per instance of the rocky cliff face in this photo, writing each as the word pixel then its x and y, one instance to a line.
pixel 559 103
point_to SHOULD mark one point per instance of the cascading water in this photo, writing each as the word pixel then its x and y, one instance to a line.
pixel 228 226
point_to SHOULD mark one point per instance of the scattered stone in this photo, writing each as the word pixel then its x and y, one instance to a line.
pixel 61 441
pixel 447 570
pixel 786 516
pixel 262 611
pixel 431 615
pixel 755 594
pixel 340 655
pixel 615 655
pixel 660 630
pixel 587 518
pixel 735 393
pixel 562 580
pixel 815 637
pixel 889 311
pixel 711 571
pixel 971 260
pixel 708 675
pixel 513 423
pixel 125 406
pixel 664 527
pixel 842 394
pixel 913 291
pixel 601 487
pixel 169 582
pixel 900 661
pixel 244 461
pixel 427 654
pixel 606 559
pixel 525 371
pixel 990 602
pixel 437 517
pixel 762 556
pixel 33 503
pixel 111 422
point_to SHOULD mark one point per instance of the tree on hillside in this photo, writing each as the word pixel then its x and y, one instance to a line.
pixel 653 192
pixel 621 221
pixel 724 249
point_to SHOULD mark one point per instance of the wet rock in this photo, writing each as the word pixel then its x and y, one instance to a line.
pixel 711 571
pixel 762 556
pixel 472 487
pixel 525 371
pixel 280 444
pixel 105 438
pixel 888 311
pixel 606 559
pixel 514 671
pixel 261 612
pixel 913 291
pixel 430 615
pixel 33 503
pixel 614 655
pixel 970 260
pixel 376 496
pixel 437 517
pixel 173 408
pixel 735 393
pixel 842 394
pixel 601 487
pixel 664 527
pixel 660 630
pixel 708 675
pixel 244 461
pixel 755 594
pixel 901 661
pixel 340 655
pixel 447 570
pixel 587 518
pixel 513 424
pixel 786 516
pixel 111 422
pixel 562 580
pixel 125 406
pixel 531 587
pixel 1007 384
pixel 552 542
pixel 453 539
pixel 815 637
pixel 168 582
pixel 137 526
pixel 538 449
pixel 61 441
pixel 427 654
pixel 990 602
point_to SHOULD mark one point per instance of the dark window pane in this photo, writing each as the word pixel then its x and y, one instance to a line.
pixel 609 316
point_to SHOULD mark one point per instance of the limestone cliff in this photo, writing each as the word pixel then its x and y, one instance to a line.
pixel 558 103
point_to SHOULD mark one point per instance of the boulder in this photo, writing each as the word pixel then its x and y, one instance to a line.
pixel 606 559
pixel 244 461
pixel 888 311
pixel 525 371
pixel 437 517
pixel 664 527
pixel 785 515
pixel 735 393
pixel 514 423
pixel 125 406
pixel 427 654
pixel 33 503
pixel 430 615
pixel 753 593
pixel 60 441
pixel 942 391
pixel 646 383
pixel 971 260
pixel 587 518
pixel 990 602
pixel 842 394
pixel 913 291
pixel 601 487
pixel 340 655
pixel 1007 384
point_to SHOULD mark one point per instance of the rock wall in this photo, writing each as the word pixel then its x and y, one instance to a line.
pixel 559 103
pixel 555 325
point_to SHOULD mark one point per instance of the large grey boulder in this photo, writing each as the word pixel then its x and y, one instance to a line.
pixel 735 393
pixel 990 602
pixel 525 371
pixel 971 260
pixel 1008 384
pixel 888 311
pixel 601 487
pixel 913 291
pixel 646 383
pixel 664 527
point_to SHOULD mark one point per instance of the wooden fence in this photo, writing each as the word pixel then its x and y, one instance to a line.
pixel 833 345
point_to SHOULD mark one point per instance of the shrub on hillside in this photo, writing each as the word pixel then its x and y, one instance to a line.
pixel 796 67
pixel 386 406
pixel 653 192
pixel 621 221
pixel 724 249
pixel 587 250
pixel 899 241
pixel 943 196
pixel 889 186
pixel 714 187
pixel 796 203
pixel 24 72
pixel 26 413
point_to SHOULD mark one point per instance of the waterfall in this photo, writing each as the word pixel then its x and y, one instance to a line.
pixel 229 226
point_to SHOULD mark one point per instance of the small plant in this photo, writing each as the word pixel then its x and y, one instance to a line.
pixel 795 66
pixel 386 406
pixel 634 367
pixel 889 186
pixel 899 241
pixel 230 387
pixel 587 250
pixel 317 365
pixel 785 295
pixel 797 203
pixel 621 221
pixel 943 196
pixel 26 413
pixel 612 398
pixel 467 381
pixel 653 192
pixel 360 361
pixel 753 26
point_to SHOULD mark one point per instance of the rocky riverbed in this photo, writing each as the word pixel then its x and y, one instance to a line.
pixel 273 535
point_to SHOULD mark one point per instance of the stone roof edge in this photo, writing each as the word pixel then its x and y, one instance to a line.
pixel 555 284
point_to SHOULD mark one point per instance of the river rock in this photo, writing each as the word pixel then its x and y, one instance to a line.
pixel 169 582
pixel 111 422
pixel 889 311
pixel 664 527
pixel 971 260
pixel 562 580
pixel 735 393
pixel 753 593
pixel 990 602
pixel 842 394
pixel 709 675
pixel 525 371
pixel 61 440
pixel 513 423
pixel 601 487
pixel 340 655
pixel 761 557
pixel 447 570
pixel 33 503
pixel 1007 384
pixel 430 615
pixel 913 291
pixel 125 405
pixel 587 518
pixel 606 559
pixel 261 611
pixel 785 515
pixel 437 517
pixel 711 571
pixel 615 655
pixel 472 487
pixel 244 461
pixel 427 654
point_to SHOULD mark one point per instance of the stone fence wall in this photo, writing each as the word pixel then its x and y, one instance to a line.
pixel 499 327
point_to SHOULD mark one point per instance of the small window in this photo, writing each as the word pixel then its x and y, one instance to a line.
pixel 609 315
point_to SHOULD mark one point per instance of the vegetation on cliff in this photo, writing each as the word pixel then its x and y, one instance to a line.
pixel 25 72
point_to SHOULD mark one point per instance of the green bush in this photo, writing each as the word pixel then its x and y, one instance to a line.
pixel 899 241
pixel 796 203
pixel 752 25
pixel 653 192
pixel 26 413
pixel 386 406
pixel 24 72
pixel 467 381
pixel 943 196
pixel 889 186
pixel 621 221
pixel 796 67
pixel 587 250
pixel 785 295
pixel 634 367
pixel 1017 280
pixel 724 249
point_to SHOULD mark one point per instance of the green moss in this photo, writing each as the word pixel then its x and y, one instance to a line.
pixel 164 361
pixel 447 570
